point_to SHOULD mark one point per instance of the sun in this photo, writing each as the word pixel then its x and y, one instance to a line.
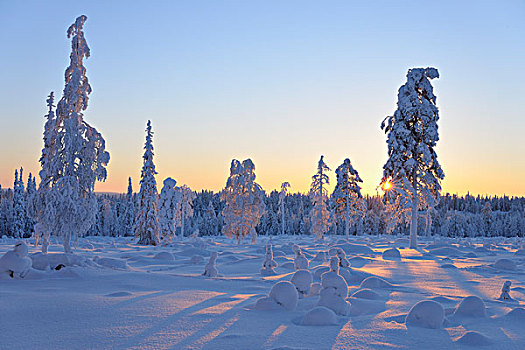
pixel 386 185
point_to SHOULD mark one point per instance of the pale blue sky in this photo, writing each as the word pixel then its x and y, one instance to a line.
pixel 281 82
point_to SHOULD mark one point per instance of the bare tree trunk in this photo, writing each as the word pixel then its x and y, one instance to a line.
pixel 67 242
pixel 415 212
pixel 45 242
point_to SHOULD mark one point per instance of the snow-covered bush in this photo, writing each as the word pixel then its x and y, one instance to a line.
pixel 302 280
pixel 300 261
pixel 392 254
pixel 426 314
pixel 284 294
pixel 210 270
pixel 505 264
pixel 16 263
pixel 269 264
pixel 343 261
pixel 319 316
pixel 471 306
pixel 334 289
pixel 505 291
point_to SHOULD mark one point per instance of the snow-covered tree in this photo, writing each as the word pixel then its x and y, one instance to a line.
pixel 318 193
pixel 19 206
pixel 244 201
pixel 30 191
pixel 129 211
pixel 146 222
pixel 168 205
pixel 74 155
pixel 412 134
pixel 282 199
pixel 346 199
pixel 185 197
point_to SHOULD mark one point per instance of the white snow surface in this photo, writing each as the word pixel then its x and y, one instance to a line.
pixel 115 294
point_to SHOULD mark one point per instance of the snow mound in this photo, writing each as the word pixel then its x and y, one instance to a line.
pixel 16 262
pixel 48 261
pixel 278 253
pixel 446 251
pixel 112 263
pixel 284 294
pixel 288 265
pixel 366 294
pixel 266 303
pixel 518 313
pixel 505 264
pixel 302 280
pixel 374 282
pixel 164 256
pixel 448 266
pixel 358 261
pixel 196 259
pixel 471 306
pixel 330 299
pixel 392 254
pixel 319 316
pixel 356 248
pixel 191 251
pixel 426 314
pixel 474 338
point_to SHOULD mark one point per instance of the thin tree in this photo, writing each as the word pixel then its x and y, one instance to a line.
pixel 184 210
pixel 282 199
pixel 347 199
pixel 412 134
pixel 318 193
pixel 146 222
pixel 168 200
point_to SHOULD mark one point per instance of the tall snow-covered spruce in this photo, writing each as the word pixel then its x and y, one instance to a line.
pixel 412 134
pixel 244 201
pixel 318 194
pixel 168 200
pixel 346 198
pixel 282 199
pixel 146 222
pixel 74 155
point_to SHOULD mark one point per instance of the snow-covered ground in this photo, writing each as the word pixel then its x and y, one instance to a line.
pixel 126 296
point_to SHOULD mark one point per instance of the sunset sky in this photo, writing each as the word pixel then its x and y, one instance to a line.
pixel 280 82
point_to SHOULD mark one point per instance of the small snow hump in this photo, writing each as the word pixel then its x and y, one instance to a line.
pixel 284 294
pixel 392 254
pixel 374 282
pixel 505 264
pixel 319 316
pixel 473 338
pixel 426 314
pixel 471 306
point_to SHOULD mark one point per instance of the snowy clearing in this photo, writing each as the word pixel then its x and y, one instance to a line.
pixel 116 294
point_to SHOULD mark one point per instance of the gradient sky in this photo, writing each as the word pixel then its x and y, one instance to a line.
pixel 281 82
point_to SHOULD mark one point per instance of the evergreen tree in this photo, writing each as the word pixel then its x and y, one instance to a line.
pixel 19 206
pixel 282 198
pixel 244 201
pixel 412 135
pixel 318 193
pixel 168 201
pixel 346 199
pixel 129 211
pixel 185 199
pixel 146 222
pixel 74 155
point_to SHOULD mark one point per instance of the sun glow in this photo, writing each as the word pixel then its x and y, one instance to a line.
pixel 387 184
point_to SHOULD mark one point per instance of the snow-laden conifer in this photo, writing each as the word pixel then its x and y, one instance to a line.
pixel 74 155
pixel 346 199
pixel 19 206
pixel 168 205
pixel 318 193
pixel 146 222
pixel 412 134
pixel 129 211
pixel 282 199
pixel 184 198
pixel 244 201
